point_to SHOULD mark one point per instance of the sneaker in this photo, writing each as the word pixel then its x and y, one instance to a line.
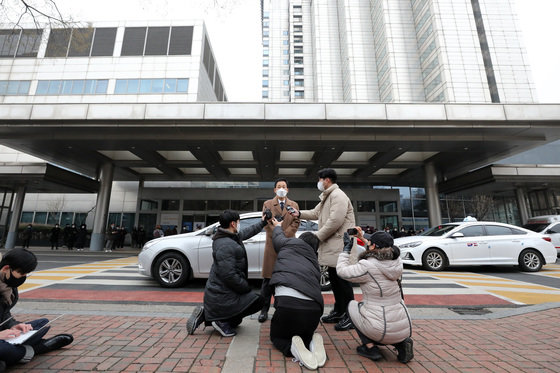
pixel 197 318
pixel 301 354
pixel 332 317
pixel 372 353
pixel 344 324
pixel 224 328
pixel 318 349
pixel 404 351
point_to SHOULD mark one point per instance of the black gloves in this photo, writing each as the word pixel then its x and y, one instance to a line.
pixel 267 216
pixel 348 242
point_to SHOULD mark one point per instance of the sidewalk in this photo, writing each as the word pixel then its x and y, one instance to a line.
pixel 148 339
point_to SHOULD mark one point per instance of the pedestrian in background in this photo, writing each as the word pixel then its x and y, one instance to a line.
pixel 27 235
pixel 381 318
pixel 278 206
pixel 335 214
pixel 141 236
pixel 55 235
pixel 81 238
pixel 72 235
pixel 158 232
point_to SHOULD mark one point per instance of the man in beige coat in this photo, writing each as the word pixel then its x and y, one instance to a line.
pixel 335 214
pixel 290 224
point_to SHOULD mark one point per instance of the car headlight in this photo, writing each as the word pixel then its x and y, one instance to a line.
pixel 410 244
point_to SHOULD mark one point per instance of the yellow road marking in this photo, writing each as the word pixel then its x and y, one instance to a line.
pixel 528 298
pixel 509 285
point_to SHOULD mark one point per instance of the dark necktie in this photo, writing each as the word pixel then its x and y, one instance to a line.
pixel 281 205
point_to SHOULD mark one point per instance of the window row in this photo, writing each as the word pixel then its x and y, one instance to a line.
pixel 133 86
pixel 94 86
pixel 14 87
pixel 72 87
pixel 20 43
pixel 100 41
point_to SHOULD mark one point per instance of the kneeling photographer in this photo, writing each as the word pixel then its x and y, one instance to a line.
pixel 381 318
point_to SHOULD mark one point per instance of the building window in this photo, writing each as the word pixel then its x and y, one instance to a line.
pixel 286 82
pixel 298 71
pixel 266 33
pixel 298 82
pixel 298 49
pixel 265 83
pixel 286 93
pixel 72 87
pixel 266 42
pixel 265 73
pixel 286 42
pixel 29 43
pixel 286 62
pixel 285 52
pixel 265 62
pixel 170 205
pixel 264 94
pixel 265 24
pixel 298 60
pixel 298 28
pixel 285 33
pixel 148 86
pixel 300 94
pixel 286 72
pixel 298 18
pixel 298 39
pixel 265 52
pixel 14 87
pixel 154 41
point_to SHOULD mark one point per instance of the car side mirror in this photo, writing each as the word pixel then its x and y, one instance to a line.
pixel 210 231
pixel 457 235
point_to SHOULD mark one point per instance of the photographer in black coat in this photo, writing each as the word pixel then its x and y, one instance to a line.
pixel 228 297
pixel 298 301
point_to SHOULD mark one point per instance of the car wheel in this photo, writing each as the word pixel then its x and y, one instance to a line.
pixel 172 270
pixel 434 260
pixel 530 261
pixel 325 282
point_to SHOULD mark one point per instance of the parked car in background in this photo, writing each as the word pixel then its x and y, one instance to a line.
pixel 173 260
pixel 477 243
pixel 548 225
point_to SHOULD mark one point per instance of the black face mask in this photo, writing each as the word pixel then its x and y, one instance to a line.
pixel 14 282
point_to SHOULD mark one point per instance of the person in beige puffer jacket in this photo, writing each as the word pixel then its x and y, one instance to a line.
pixel 381 318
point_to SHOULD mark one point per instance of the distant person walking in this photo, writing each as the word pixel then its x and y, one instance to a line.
pixel 158 232
pixel 27 235
pixel 72 234
pixel 81 238
pixel 55 236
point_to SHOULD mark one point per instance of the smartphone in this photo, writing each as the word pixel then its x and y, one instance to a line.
pixel 352 231
pixel 290 209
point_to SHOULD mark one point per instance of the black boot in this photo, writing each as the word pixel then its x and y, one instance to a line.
pixel 54 343
pixel 372 353
pixel 404 351
pixel 344 324
pixel 263 316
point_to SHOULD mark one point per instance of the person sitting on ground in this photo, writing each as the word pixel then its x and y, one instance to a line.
pixel 382 317
pixel 298 301
pixel 227 296
pixel 15 266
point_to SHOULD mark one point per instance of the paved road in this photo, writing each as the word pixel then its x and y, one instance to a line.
pixel 82 276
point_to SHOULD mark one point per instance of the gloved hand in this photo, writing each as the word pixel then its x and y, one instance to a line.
pixel 267 214
pixel 348 242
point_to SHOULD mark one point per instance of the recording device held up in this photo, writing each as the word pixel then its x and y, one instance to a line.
pixel 352 231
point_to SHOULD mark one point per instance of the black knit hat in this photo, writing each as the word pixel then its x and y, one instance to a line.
pixel 380 239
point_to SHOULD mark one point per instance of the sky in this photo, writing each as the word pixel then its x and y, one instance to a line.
pixel 234 30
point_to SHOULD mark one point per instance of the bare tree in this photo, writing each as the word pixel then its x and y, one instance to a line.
pixel 54 207
pixel 455 208
pixel 480 205
pixel 37 12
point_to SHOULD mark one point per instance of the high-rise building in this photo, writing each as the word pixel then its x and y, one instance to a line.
pixel 353 51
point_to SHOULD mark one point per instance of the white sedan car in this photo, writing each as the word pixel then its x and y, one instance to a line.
pixel 173 260
pixel 477 243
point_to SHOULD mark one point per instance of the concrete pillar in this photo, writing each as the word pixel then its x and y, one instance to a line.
pixel 522 205
pixel 138 202
pixel 432 198
pixel 102 207
pixel 16 216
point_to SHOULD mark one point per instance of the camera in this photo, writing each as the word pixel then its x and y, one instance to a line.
pixel 352 231
pixel 267 214
pixel 279 217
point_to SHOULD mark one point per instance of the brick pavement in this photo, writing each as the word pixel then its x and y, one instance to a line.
pixel 528 342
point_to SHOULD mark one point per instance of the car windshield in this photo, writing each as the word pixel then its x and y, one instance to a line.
pixel 536 227
pixel 439 230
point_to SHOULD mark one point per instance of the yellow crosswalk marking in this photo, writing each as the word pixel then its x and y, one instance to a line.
pixel 528 298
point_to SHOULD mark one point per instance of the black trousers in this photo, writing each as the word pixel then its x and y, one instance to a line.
pixel 293 316
pixel 266 292
pixel 342 291
pixel 234 321
pixel 12 354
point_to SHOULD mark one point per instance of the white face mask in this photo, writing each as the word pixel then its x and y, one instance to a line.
pixel 321 185
pixel 281 192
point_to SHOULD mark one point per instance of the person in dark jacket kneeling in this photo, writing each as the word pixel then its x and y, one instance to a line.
pixel 228 297
pixel 381 318
pixel 298 301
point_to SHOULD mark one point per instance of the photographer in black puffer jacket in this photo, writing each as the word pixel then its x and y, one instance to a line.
pixel 228 297
pixel 298 301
